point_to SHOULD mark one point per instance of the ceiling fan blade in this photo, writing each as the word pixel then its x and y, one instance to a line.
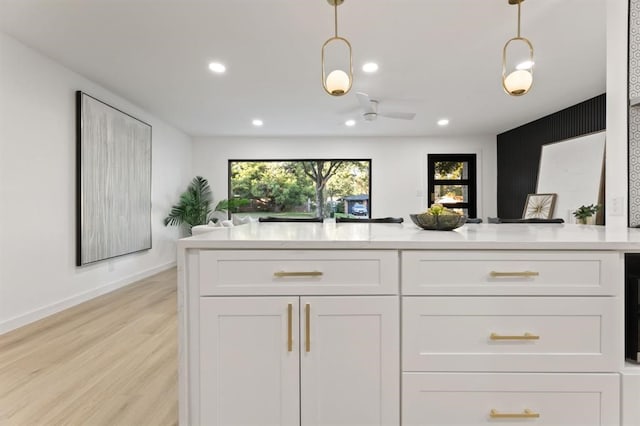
pixel 399 115
pixel 365 102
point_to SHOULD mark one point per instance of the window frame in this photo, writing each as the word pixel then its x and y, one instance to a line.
pixel 471 182
pixel 279 160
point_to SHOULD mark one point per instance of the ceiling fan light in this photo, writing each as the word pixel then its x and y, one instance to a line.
pixel 518 82
pixel 337 82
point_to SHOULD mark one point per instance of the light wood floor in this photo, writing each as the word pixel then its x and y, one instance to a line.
pixel 109 361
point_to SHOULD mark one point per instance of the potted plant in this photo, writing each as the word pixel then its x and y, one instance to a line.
pixel 584 214
pixel 231 206
pixel 194 207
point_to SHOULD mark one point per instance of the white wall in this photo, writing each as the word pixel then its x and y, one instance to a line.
pixel 617 100
pixel 37 190
pixel 398 164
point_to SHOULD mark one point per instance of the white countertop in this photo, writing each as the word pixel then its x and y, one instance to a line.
pixel 409 236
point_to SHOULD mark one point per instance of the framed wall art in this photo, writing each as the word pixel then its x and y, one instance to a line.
pixel 574 170
pixel 113 182
pixel 539 206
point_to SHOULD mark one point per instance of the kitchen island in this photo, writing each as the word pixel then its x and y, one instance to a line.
pixel 388 324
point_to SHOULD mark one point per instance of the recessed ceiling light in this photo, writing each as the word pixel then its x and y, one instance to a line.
pixel 257 122
pixel 217 67
pixel 526 65
pixel 350 123
pixel 370 67
pixel 443 122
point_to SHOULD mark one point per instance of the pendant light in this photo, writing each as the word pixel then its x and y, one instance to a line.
pixel 519 80
pixel 337 82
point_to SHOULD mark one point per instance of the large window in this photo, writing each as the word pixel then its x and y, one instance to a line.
pixel 301 188
pixel 452 181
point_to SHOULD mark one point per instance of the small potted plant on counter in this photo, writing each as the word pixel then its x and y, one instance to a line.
pixel 585 214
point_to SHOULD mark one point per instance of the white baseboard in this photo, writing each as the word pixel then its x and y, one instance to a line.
pixel 45 311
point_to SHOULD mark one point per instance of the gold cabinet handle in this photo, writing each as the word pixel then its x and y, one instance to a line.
pixel 281 274
pixel 516 274
pixel 290 327
pixel 525 336
pixel 307 327
pixel 526 414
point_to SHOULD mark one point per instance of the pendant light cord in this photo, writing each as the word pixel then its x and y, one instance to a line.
pixel 335 16
pixel 519 1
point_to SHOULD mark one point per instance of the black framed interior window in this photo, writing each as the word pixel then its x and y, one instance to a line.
pixel 452 182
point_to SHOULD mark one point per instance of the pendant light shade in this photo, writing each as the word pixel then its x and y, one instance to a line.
pixel 338 81
pixel 518 80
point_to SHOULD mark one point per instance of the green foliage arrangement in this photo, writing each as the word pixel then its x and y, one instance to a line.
pixel 194 207
pixel 584 212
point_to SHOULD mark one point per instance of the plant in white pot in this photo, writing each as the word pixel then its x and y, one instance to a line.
pixel 585 214
pixel 194 207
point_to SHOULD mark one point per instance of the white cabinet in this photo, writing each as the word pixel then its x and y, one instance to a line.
pixel 247 374
pixel 515 272
pixel 511 337
pixel 630 395
pixel 299 360
pixel 510 399
pixel 509 334
pixel 349 370
pixel 312 337
pixel 303 272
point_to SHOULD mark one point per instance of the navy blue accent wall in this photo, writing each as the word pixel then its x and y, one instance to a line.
pixel 519 150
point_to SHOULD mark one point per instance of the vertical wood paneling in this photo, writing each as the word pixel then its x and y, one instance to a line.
pixel 519 150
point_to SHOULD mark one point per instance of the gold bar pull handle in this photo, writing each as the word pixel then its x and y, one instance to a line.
pixel 283 274
pixel 514 274
pixel 526 414
pixel 290 327
pixel 525 336
pixel 307 327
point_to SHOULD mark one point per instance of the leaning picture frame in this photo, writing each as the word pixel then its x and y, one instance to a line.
pixel 113 182
pixel 539 206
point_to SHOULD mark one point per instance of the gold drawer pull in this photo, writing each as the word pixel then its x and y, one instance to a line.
pixel 526 414
pixel 307 327
pixel 281 274
pixel 525 336
pixel 517 274
pixel 290 327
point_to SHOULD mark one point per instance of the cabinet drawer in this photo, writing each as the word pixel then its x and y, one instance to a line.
pixel 510 273
pixel 510 334
pixel 550 399
pixel 303 272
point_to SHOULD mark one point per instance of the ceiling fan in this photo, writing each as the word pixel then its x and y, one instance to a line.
pixel 371 113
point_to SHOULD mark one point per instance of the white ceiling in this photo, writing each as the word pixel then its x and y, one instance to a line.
pixel 438 58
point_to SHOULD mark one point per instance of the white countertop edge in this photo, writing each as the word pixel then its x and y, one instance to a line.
pixel 408 237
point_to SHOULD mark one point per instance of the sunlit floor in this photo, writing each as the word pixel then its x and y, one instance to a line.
pixel 109 361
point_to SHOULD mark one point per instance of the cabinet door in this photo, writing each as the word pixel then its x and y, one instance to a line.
pixel 349 360
pixel 249 372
